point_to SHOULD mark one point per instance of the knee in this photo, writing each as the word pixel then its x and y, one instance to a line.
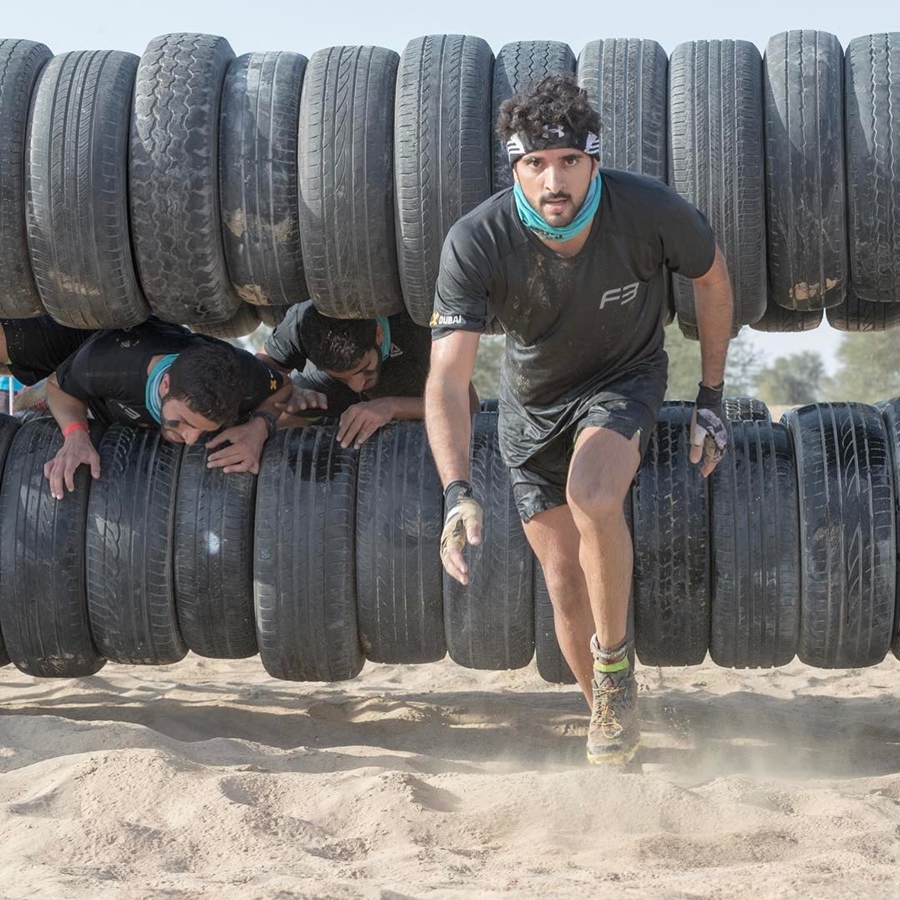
pixel 595 503
pixel 566 589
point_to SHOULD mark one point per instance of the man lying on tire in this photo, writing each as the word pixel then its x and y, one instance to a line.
pixel 367 371
pixel 163 375
pixel 572 261
pixel 31 349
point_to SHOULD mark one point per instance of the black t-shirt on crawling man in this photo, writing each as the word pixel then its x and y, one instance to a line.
pixel 109 371
pixel 578 328
pixel 37 346
pixel 405 358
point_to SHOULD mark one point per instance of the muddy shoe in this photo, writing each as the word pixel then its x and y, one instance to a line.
pixel 615 732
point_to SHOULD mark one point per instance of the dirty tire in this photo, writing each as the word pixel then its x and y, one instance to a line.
pixel 442 153
pixel 174 179
pixel 490 404
pixel 805 196
pixel 716 162
pixel 304 563
pixel 130 585
pixel 78 232
pixel 8 428
pixel 489 623
pixel 399 515
pixel 855 315
pixel 872 129
pixel 755 549
pixel 517 65
pixel 213 551
pixel 43 607
pixel 21 63
pixel 258 177
pixel 626 82
pixel 847 547
pixel 244 321
pixel 789 321
pixel 746 409
pixel 272 315
pixel 347 182
pixel 890 412
pixel 671 547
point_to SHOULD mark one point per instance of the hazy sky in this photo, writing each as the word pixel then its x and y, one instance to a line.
pixel 307 27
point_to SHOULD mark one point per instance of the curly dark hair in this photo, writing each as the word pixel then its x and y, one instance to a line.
pixel 207 377
pixel 555 100
pixel 336 344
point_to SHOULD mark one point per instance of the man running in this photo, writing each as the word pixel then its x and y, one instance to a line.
pixel 572 261
pixel 162 375
pixel 368 371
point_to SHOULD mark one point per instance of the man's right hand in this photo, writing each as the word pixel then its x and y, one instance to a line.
pixel 463 518
pixel 76 450
pixel 302 400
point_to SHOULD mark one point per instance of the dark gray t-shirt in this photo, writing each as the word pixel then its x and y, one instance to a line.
pixel 578 328
pixel 405 358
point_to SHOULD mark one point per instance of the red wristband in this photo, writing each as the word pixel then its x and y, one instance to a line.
pixel 75 426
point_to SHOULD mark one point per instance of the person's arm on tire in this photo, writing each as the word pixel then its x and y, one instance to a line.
pixel 77 449
pixel 448 423
pixel 714 306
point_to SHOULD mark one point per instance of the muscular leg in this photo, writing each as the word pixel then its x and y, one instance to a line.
pixel 555 541
pixel 603 466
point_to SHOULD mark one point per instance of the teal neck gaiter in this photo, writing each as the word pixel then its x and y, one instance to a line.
pixel 384 351
pixel 533 220
pixel 151 392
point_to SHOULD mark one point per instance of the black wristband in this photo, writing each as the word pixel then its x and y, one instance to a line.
pixel 710 396
pixel 267 417
pixel 455 491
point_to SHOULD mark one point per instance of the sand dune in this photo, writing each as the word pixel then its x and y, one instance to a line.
pixel 211 779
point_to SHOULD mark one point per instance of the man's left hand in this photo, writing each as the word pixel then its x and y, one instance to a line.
pixel 245 449
pixel 362 420
pixel 709 429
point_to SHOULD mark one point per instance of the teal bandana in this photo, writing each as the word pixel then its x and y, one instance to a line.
pixel 151 392
pixel 385 349
pixel 534 221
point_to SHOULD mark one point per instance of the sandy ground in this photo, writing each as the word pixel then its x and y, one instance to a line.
pixel 209 779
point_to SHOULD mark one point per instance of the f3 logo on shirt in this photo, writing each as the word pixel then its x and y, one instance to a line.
pixel 620 295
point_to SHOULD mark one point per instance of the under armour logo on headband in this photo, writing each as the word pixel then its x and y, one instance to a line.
pixel 554 137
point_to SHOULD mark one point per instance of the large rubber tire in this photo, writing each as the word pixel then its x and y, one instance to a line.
pixel 130 584
pixel 213 550
pixel 20 66
pixel 489 623
pixel 43 601
pixel 805 197
pixel 780 320
pixel 890 412
pixel 716 161
pixel 304 564
pixel 8 428
pixel 755 550
pixel 244 321
pixel 258 177
pixel 399 512
pixel 272 316
pixel 855 315
pixel 347 182
pixel 872 97
pixel 174 179
pixel 671 547
pixel 517 65
pixel 442 153
pixel 847 546
pixel 551 664
pixel 746 409
pixel 626 82
pixel 78 232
